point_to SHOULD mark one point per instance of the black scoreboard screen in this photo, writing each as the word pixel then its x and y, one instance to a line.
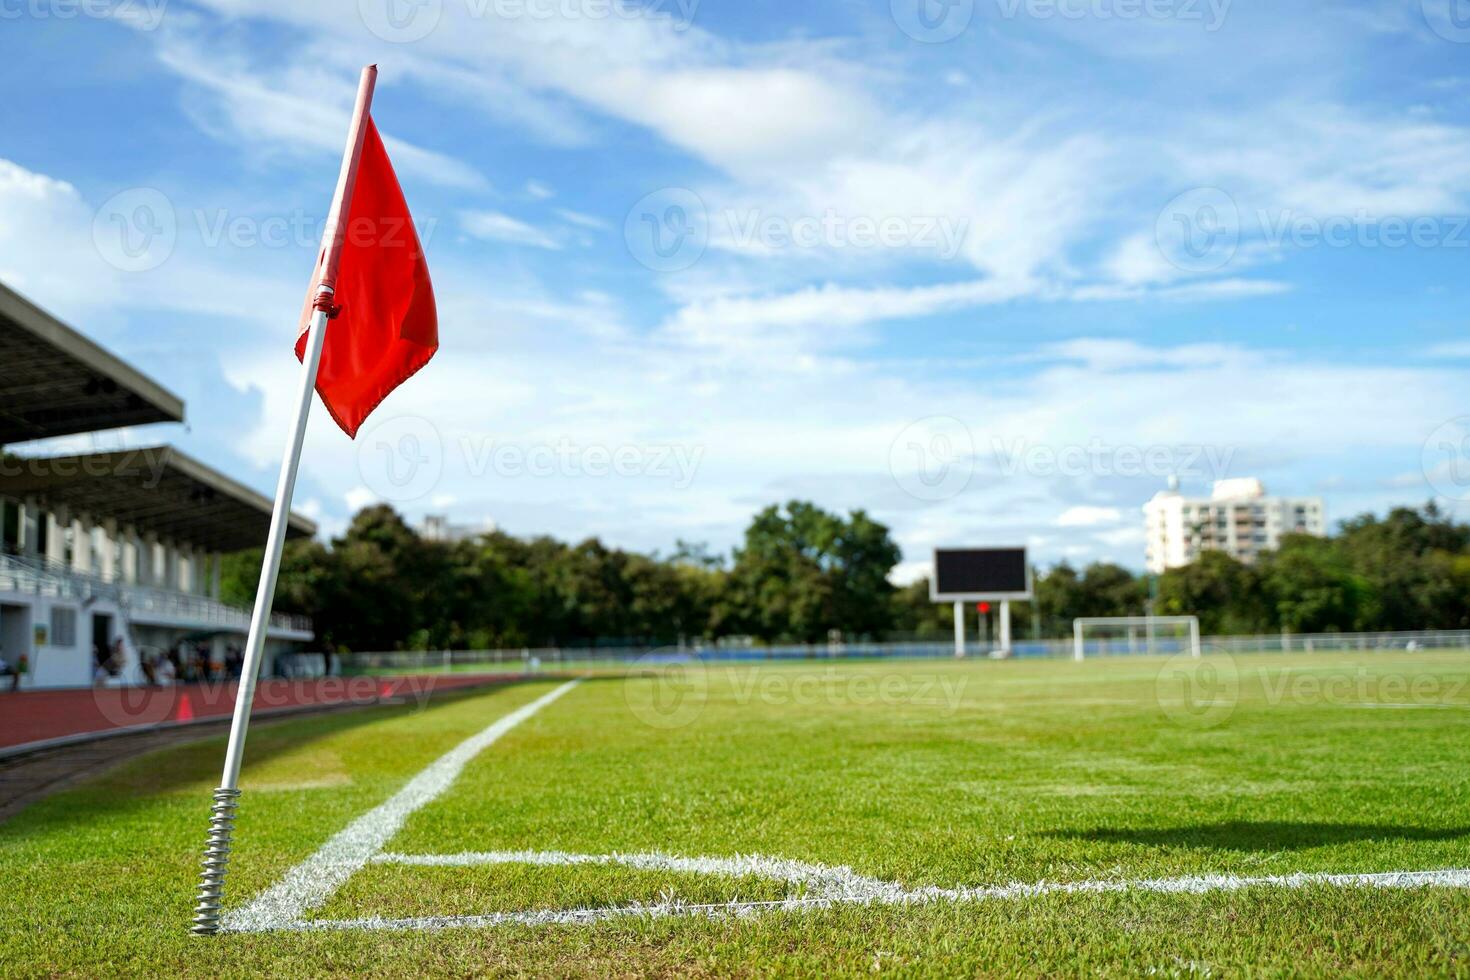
pixel 962 574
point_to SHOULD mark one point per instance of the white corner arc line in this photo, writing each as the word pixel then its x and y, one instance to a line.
pixel 831 886
pixel 310 883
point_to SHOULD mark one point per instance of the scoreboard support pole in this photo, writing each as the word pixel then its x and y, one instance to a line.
pixel 1005 627
pixel 959 629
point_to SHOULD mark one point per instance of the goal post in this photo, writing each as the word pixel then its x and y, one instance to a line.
pixel 1137 634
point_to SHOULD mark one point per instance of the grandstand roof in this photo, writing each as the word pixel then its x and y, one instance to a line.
pixel 56 382
pixel 157 489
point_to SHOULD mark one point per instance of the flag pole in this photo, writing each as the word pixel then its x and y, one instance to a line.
pixel 227 796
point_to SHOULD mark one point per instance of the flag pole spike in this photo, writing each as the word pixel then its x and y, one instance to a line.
pixel 209 895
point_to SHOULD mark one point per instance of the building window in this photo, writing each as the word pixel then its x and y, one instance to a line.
pixel 63 626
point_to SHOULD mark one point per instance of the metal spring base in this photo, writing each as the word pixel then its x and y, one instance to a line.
pixel 216 860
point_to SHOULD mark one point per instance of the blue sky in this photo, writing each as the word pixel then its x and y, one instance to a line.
pixel 991 269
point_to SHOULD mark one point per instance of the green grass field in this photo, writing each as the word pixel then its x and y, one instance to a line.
pixel 944 774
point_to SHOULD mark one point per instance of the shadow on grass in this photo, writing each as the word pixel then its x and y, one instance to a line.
pixel 1266 835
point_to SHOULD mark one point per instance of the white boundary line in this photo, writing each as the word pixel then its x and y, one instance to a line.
pixel 828 887
pixel 309 884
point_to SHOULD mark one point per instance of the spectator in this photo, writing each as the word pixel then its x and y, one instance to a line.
pixel 6 670
pixel 167 672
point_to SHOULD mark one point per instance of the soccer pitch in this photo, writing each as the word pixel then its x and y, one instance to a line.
pixel 1262 814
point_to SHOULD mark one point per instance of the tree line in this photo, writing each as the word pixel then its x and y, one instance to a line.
pixel 801 573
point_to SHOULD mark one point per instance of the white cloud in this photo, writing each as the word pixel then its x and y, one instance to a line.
pixel 758 365
pixel 1326 159
pixel 44 241
pixel 822 316
pixel 1085 516
pixel 359 497
pixel 493 226
pixel 582 220
pixel 293 110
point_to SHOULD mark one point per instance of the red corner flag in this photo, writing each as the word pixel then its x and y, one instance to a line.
pixel 386 326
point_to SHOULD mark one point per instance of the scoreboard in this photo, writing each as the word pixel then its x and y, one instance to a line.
pixel 977 574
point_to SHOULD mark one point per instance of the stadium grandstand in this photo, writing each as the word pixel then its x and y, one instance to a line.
pixel 107 559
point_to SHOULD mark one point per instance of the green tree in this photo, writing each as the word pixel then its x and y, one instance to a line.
pixel 803 571
pixel 1311 586
pixel 1225 594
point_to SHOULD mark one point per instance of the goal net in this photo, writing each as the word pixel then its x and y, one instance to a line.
pixel 1111 636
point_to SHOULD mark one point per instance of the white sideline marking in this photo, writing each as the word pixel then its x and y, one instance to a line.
pixel 829 886
pixel 312 882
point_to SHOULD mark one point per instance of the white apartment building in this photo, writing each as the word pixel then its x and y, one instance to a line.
pixel 438 527
pixel 1237 518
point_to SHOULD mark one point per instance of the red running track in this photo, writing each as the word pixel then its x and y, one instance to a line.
pixel 43 716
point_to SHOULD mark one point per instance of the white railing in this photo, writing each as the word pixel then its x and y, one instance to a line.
pixel 34 575
pixel 554 657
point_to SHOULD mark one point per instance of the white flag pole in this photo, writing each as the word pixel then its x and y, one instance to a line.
pixel 227 797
